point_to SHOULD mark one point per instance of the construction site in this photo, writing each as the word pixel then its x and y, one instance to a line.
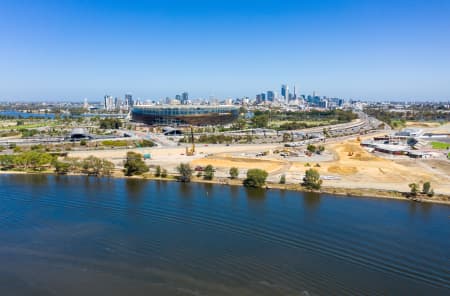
pixel 344 162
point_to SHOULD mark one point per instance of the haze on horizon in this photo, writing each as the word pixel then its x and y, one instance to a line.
pixel 72 49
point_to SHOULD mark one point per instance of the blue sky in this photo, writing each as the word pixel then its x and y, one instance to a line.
pixel 374 49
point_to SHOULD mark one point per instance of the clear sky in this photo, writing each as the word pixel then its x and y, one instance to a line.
pixel 373 49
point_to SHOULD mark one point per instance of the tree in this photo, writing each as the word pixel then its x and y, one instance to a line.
pixel 320 149
pixel 283 179
pixel 107 167
pixel 134 164
pixel 185 171
pixel 7 161
pixel 239 124
pixel 164 173
pixel 61 167
pixel 234 172
pixel 158 171
pixel 91 166
pixel 208 173
pixel 311 148
pixel 260 121
pixel 414 188
pixel 312 179
pixel 34 160
pixel 95 166
pixel 110 123
pixel 426 187
pixel 255 178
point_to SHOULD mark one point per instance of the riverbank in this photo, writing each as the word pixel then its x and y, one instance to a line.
pixel 338 191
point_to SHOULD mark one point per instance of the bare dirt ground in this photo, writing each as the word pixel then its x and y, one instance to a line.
pixel 421 124
pixel 351 167
pixel 357 168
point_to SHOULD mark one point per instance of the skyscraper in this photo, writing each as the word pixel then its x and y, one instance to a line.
pixel 285 92
pixel 270 96
pixel 129 100
pixel 184 98
pixel 109 103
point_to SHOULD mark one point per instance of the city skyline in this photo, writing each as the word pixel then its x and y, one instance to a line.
pixel 349 49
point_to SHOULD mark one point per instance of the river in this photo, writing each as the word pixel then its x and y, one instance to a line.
pixel 99 236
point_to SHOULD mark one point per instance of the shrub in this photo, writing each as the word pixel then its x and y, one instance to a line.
pixel 312 179
pixel 61 168
pixel 283 179
pixel 120 143
pixel 414 188
pixel 234 172
pixel 164 173
pixel 311 148
pixel 426 187
pixel 255 178
pixel 147 143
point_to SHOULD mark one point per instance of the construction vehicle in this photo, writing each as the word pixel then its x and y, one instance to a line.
pixel 191 152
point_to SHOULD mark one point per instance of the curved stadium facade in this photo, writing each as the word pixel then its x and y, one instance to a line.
pixel 185 114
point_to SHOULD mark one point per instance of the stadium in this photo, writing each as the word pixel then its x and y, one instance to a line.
pixel 184 114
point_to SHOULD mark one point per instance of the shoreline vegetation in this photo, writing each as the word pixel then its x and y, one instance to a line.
pixel 338 191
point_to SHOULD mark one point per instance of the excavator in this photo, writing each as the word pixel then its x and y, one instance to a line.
pixel 191 152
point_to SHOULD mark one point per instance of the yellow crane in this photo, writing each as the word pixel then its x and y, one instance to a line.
pixel 191 152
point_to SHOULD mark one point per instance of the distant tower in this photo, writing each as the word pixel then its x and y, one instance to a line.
pixel 295 93
pixel 184 98
pixel 285 92
pixel 270 96
pixel 86 104
pixel 109 103
pixel 129 100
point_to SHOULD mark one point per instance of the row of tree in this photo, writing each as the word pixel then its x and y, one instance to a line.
pixel 35 160
pixel 426 189
pixel 256 178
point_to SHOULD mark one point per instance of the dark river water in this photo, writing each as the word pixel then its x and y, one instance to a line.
pixel 89 236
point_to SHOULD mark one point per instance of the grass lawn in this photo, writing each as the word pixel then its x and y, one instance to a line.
pixel 440 145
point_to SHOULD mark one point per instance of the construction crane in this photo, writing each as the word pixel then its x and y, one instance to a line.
pixel 191 152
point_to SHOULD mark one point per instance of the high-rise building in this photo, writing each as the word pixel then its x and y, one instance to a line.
pixel 270 96
pixel 129 100
pixel 109 103
pixel 184 98
pixel 285 92
pixel 263 97
pixel 117 103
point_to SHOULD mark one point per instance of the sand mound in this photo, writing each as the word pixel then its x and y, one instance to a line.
pixel 342 170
